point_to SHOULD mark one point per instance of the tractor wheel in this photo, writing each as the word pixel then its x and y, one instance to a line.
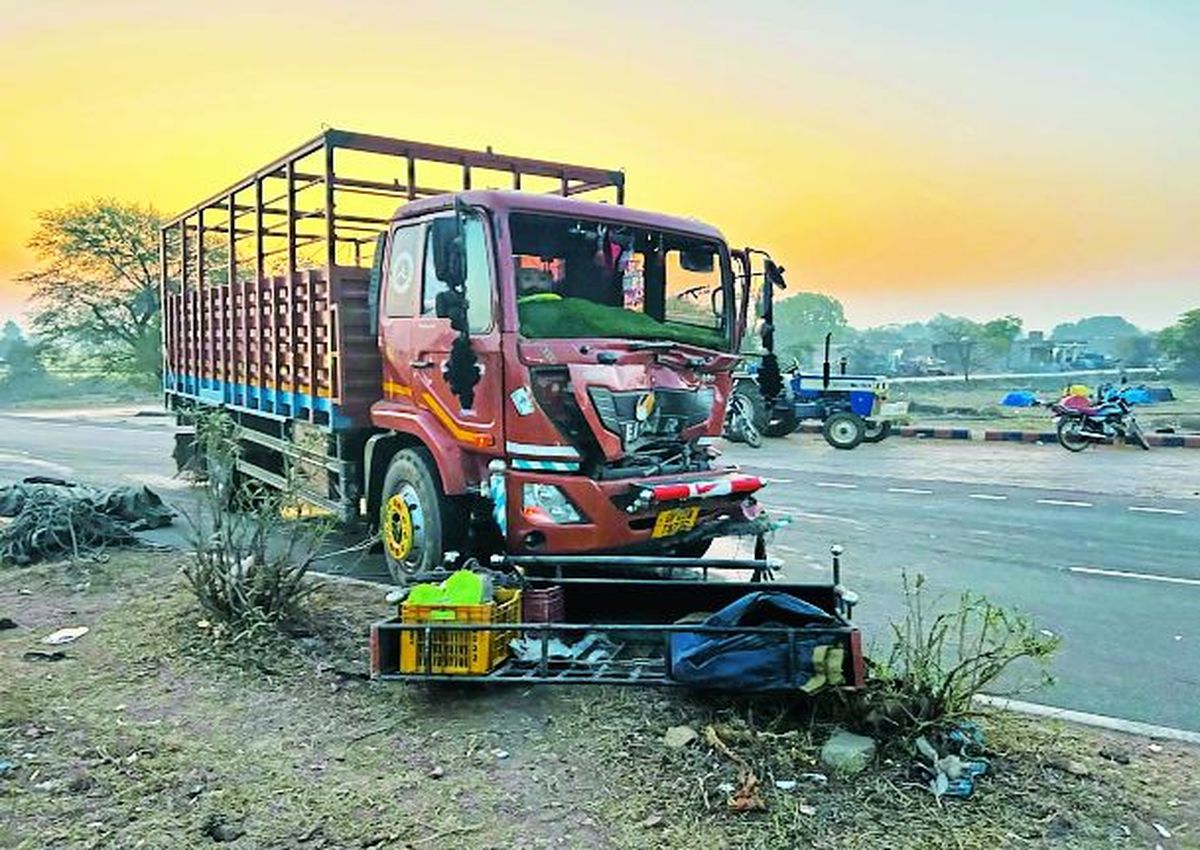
pixel 414 521
pixel 782 423
pixel 844 430
pixel 877 431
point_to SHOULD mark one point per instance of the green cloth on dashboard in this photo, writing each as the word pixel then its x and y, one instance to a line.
pixel 579 317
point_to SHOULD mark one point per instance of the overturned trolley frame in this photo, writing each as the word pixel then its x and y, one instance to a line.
pixel 629 624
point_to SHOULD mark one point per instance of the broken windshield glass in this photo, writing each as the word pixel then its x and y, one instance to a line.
pixel 586 278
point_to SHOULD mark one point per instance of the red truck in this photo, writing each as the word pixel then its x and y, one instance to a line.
pixel 479 370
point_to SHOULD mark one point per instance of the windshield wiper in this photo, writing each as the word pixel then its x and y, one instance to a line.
pixel 656 345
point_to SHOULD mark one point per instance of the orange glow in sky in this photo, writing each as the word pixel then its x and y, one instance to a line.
pixel 978 159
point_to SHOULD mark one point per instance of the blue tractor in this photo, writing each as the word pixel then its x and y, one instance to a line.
pixel 771 401
pixel 849 407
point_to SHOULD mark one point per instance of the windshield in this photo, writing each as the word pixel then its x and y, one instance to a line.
pixel 585 278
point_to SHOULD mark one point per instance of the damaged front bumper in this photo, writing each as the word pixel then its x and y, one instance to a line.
pixel 627 515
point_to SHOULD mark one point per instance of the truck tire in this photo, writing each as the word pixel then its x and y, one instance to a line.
pixel 781 423
pixel 877 431
pixel 844 430
pixel 414 521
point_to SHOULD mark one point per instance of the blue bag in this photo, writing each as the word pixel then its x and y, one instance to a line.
pixel 756 662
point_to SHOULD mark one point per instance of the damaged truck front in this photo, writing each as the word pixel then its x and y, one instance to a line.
pixel 511 371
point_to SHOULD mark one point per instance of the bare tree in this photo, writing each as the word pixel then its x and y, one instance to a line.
pixel 96 293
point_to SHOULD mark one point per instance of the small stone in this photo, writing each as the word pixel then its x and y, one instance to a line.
pixel 1114 754
pixel 499 753
pixel 1161 830
pixel 1077 768
pixel 651 821
pixel 808 810
pixel 785 784
pixel 678 737
pixel 1154 748
pixel 437 773
pixel 847 753
pixel 221 832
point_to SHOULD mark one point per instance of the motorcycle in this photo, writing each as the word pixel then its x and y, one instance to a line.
pixel 739 421
pixel 1082 422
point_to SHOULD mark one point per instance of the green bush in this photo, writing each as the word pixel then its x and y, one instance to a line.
pixel 940 662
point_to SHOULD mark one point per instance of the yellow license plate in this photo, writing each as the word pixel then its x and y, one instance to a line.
pixel 674 521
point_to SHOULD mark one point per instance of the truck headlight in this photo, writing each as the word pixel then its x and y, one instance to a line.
pixel 547 501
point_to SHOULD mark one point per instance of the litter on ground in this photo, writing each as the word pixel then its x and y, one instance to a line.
pixel 50 518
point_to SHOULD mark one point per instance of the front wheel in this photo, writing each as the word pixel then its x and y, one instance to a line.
pixel 749 391
pixel 413 515
pixel 1070 434
pixel 844 430
pixel 1133 431
pixel 877 431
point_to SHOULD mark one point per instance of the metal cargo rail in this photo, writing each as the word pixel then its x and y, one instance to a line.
pixel 264 284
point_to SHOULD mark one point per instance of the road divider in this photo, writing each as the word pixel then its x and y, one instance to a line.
pixel 1162 441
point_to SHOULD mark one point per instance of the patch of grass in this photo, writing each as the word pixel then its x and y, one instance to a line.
pixel 149 736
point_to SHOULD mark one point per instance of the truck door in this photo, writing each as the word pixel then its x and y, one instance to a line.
pixel 478 428
pixel 400 302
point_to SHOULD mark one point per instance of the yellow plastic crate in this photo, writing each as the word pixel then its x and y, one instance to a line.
pixel 459 651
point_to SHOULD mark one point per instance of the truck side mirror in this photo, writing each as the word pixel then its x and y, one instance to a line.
pixel 774 274
pixel 697 260
pixel 449 251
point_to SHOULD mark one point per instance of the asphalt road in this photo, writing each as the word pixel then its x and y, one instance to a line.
pixel 1102 548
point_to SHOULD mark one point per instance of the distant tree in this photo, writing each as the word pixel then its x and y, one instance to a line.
pixel 20 359
pixel 999 336
pixel 96 292
pixel 1095 327
pixel 1136 349
pixel 803 319
pixel 873 349
pixel 1182 341
pixel 960 341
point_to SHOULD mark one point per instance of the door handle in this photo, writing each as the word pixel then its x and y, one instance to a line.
pixel 421 364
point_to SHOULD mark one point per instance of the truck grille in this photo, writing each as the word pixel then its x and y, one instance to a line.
pixel 648 417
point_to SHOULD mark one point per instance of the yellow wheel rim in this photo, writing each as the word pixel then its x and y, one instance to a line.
pixel 397 528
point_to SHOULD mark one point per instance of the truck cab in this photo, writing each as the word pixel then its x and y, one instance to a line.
pixel 598 345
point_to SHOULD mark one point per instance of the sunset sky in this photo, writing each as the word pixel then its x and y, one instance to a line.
pixel 906 157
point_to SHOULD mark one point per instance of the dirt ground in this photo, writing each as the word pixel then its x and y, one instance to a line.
pixel 977 405
pixel 146 735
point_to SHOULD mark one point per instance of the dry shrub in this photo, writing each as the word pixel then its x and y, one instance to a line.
pixel 940 662
pixel 249 561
